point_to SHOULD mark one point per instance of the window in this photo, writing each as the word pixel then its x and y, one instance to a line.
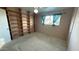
pixel 48 20
pixel 51 20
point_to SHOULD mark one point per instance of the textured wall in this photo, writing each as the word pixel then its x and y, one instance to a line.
pixel 60 31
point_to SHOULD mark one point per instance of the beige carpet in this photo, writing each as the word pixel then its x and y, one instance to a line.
pixel 36 42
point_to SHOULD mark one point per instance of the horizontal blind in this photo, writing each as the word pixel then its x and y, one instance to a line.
pixel 24 23
pixel 21 23
pixel 15 21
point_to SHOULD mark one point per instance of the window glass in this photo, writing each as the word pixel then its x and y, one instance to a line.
pixel 48 20
pixel 51 20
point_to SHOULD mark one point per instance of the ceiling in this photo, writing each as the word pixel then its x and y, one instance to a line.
pixel 44 9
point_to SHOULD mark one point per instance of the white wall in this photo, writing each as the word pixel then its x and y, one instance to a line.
pixel 4 29
pixel 74 31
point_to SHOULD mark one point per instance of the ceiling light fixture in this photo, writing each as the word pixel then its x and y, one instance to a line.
pixel 35 10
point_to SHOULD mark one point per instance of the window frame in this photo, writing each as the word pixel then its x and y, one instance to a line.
pixel 53 24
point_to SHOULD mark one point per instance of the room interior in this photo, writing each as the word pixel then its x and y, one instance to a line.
pixel 25 28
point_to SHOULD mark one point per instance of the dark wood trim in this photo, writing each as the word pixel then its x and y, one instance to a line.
pixel 9 24
pixel 21 21
pixel 20 17
pixel 28 21
pixel 34 15
pixel 3 8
